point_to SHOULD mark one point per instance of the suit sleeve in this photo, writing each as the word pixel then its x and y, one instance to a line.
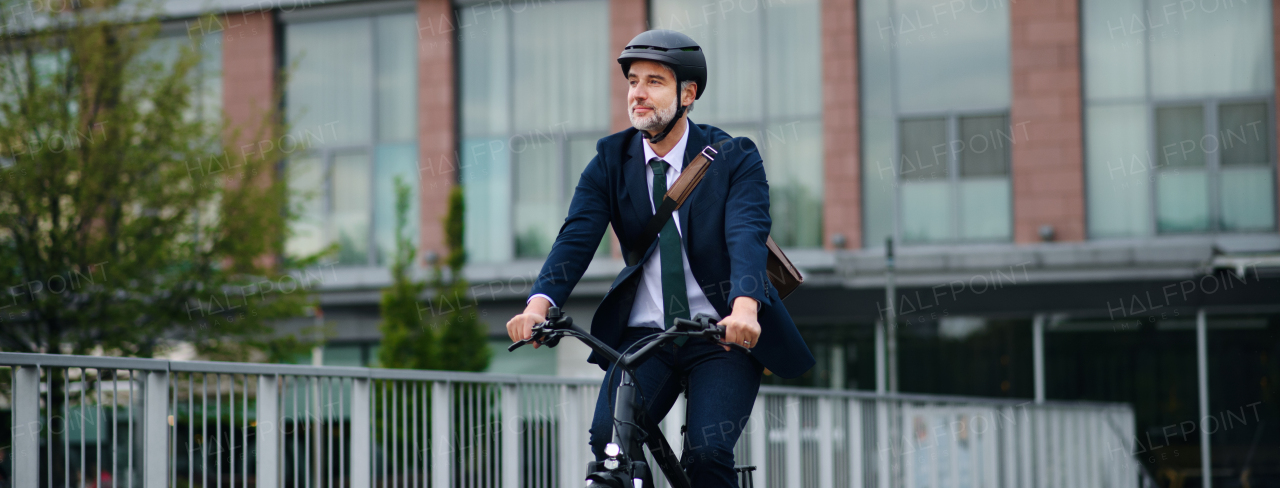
pixel 746 226
pixel 579 237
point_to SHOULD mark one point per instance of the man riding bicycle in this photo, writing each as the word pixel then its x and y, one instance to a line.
pixel 708 258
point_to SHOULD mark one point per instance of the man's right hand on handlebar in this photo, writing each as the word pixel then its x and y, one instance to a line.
pixel 520 327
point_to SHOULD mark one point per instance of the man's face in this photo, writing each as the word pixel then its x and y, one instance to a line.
pixel 651 98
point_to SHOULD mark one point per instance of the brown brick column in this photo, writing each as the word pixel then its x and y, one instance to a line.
pixel 437 154
pixel 842 192
pixel 248 83
pixel 627 19
pixel 1048 162
pixel 248 71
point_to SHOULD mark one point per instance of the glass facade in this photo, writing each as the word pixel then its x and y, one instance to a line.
pixel 351 105
pixel 206 99
pixel 1178 131
pixel 935 153
pixel 534 99
pixel 765 82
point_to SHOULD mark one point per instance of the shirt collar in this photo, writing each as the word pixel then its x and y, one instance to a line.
pixel 676 156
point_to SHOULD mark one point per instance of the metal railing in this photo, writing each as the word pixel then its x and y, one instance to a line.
pixel 95 422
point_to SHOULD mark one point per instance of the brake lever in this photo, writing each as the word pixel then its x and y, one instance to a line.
pixel 552 339
pixel 716 331
pixel 537 336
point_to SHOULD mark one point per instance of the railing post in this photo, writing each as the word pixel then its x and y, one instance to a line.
pixel 268 432
pixel 26 427
pixel 361 446
pixel 441 448
pixel 855 443
pixel 1008 447
pixel 826 453
pixel 760 441
pixel 511 428
pixel 155 429
pixel 884 445
pixel 572 462
pixel 1025 448
pixel 793 441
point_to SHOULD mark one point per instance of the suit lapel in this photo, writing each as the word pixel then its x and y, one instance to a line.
pixel 635 187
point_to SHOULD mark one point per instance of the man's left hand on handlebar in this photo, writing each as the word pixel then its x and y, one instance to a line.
pixel 741 326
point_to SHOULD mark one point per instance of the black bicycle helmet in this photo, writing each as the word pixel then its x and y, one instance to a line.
pixel 678 51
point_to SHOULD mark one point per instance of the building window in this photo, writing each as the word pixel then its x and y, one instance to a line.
pixel 765 82
pixel 1178 135
pixel 948 189
pixel 936 134
pixel 534 101
pixel 351 105
pixel 206 95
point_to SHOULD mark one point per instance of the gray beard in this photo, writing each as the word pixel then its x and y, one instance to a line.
pixel 657 121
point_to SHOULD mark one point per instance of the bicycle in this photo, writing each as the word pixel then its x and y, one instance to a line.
pixel 625 466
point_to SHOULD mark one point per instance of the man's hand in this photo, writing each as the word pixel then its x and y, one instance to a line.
pixel 741 324
pixel 521 326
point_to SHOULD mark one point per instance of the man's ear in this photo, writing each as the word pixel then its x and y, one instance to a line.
pixel 690 94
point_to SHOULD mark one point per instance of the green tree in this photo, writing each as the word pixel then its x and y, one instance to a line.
pixel 408 341
pixel 128 220
pixel 463 333
pixel 446 332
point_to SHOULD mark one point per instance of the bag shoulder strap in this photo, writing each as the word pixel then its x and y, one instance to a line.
pixel 676 194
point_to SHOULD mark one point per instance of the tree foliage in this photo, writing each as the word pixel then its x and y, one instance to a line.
pixel 445 332
pixel 128 218
pixel 463 333
pixel 407 340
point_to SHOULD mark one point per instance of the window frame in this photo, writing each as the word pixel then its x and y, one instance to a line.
pixel 565 180
pixel 1212 161
pixel 952 122
pixel 327 154
pixel 566 184
pixel 1151 103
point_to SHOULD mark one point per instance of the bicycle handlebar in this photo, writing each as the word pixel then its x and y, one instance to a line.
pixel 559 325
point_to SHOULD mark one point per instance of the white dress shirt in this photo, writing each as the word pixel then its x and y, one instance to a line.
pixel 647 310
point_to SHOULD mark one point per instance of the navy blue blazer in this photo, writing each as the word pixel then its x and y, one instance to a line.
pixel 723 226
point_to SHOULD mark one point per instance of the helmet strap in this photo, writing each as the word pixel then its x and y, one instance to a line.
pixel 656 138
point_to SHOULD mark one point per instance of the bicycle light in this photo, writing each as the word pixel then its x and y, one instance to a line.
pixel 612 450
pixel 611 464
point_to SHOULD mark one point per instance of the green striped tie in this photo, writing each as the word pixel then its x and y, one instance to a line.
pixel 675 298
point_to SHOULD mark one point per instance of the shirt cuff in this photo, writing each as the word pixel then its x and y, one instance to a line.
pixel 549 300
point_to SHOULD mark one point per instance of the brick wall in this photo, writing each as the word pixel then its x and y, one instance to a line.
pixel 627 19
pixel 842 194
pixel 248 70
pixel 437 152
pixel 1048 163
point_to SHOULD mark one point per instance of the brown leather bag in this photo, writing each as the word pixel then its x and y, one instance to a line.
pixel 784 276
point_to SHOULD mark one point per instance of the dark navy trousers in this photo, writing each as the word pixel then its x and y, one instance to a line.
pixel 722 389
